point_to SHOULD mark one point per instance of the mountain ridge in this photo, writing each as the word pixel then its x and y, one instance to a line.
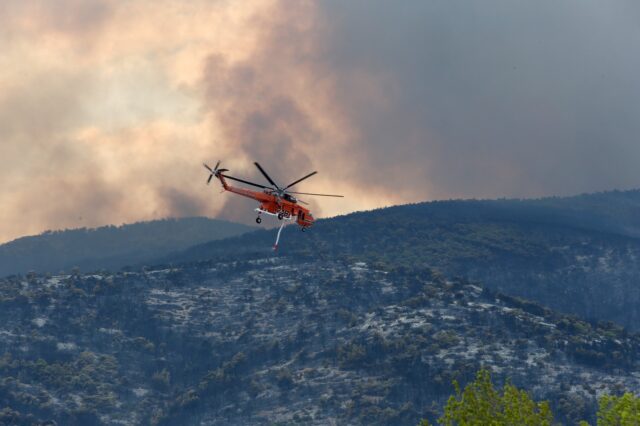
pixel 365 319
pixel 110 247
pixel 578 254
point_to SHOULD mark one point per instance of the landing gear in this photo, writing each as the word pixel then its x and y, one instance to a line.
pixel 280 216
pixel 302 229
pixel 258 219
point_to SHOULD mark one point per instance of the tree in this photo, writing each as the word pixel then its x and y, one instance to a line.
pixel 482 404
pixel 619 410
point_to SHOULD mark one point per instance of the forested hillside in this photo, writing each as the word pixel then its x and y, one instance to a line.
pixel 576 254
pixel 365 319
pixel 110 247
pixel 285 341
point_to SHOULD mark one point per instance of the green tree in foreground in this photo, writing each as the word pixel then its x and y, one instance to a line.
pixel 480 404
pixel 619 410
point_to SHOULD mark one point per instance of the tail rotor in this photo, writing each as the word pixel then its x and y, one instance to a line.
pixel 213 172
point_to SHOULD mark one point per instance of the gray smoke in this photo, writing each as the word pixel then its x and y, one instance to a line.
pixel 450 99
pixel 493 98
pixel 390 102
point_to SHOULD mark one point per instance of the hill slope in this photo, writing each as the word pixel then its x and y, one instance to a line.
pixel 110 247
pixel 279 341
pixel 578 254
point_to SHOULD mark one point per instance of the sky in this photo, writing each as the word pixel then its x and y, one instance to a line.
pixel 108 108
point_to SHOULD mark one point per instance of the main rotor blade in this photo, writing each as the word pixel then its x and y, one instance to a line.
pixel 247 182
pixel 319 195
pixel 217 165
pixel 207 167
pixel 266 175
pixel 299 180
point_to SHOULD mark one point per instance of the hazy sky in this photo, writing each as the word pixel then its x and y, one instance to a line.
pixel 108 108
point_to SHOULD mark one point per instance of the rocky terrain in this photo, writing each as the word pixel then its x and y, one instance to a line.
pixel 286 340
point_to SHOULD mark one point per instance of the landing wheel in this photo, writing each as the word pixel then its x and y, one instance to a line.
pixel 302 229
pixel 280 216
pixel 258 219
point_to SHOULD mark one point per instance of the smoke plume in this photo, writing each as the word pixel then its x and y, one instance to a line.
pixel 107 109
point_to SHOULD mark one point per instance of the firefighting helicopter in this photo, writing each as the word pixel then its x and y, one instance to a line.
pixel 274 200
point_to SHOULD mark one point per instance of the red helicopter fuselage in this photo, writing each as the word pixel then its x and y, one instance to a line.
pixel 271 203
